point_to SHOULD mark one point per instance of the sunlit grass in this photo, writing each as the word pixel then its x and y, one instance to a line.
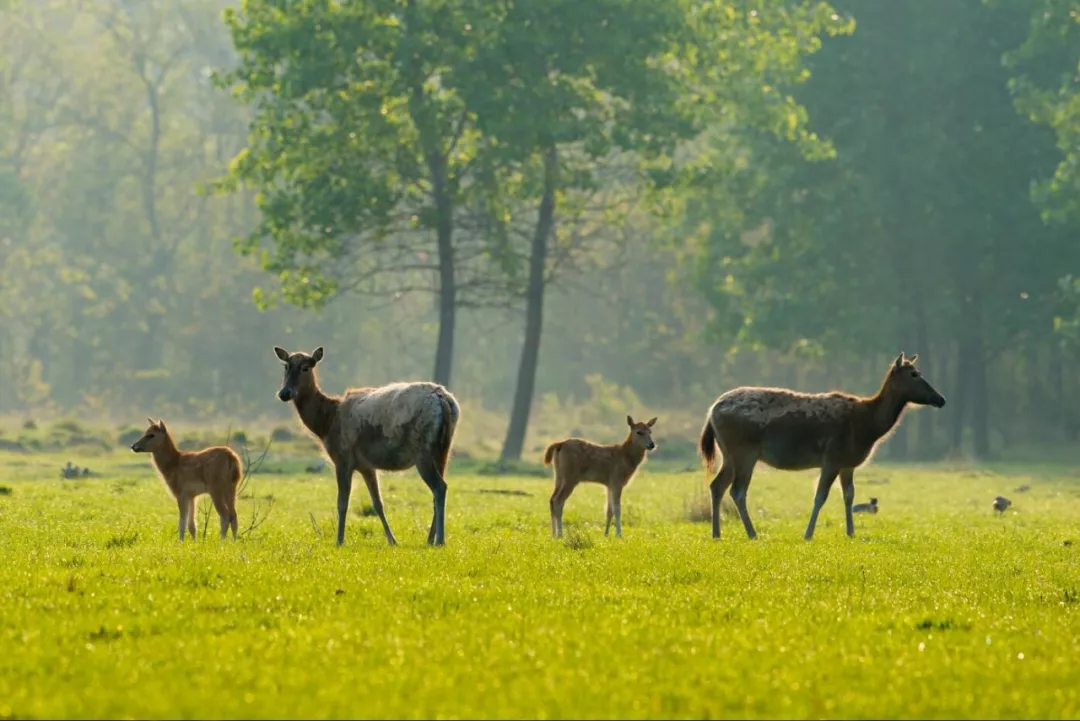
pixel 937 608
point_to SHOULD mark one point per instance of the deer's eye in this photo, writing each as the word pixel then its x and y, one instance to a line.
pixel 306 368
pixel 914 374
pixel 149 436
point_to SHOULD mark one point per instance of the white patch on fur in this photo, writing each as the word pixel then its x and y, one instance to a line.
pixel 767 405
pixel 393 408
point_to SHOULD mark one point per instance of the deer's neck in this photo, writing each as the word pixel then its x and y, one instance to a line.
pixel 166 456
pixel 317 410
pixel 885 410
pixel 634 453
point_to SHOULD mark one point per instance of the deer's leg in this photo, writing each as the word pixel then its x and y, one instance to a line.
pixel 825 481
pixel 610 512
pixel 560 503
pixel 221 505
pixel 616 507
pixel 183 505
pixel 371 478
pixel 720 484
pixel 344 490
pixel 435 481
pixel 191 519
pixel 847 485
pixel 553 503
pixel 744 471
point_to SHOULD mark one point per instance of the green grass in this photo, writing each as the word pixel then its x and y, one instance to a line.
pixel 936 609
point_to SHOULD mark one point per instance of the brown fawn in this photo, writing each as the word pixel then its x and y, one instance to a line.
pixel 215 470
pixel 576 460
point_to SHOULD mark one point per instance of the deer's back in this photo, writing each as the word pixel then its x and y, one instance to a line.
pixel 762 407
pixel 588 461
pixel 390 426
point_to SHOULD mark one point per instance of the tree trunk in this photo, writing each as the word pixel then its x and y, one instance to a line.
pixel 926 419
pixel 444 229
pixel 958 410
pixel 534 314
pixel 980 426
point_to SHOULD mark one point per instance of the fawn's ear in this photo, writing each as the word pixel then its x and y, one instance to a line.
pixel 651 423
pixel 317 354
pixel 281 353
pixel 629 421
pixel 161 424
pixel 913 358
pixel 150 421
pixel 899 360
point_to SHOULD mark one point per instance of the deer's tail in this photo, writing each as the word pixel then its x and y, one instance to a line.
pixel 549 452
pixel 707 445
pixel 450 413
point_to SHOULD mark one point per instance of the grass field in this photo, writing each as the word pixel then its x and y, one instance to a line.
pixel 936 609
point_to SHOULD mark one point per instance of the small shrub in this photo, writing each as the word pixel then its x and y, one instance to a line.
pixel 367 511
pixel 29 425
pixel 128 437
pixel 698 508
pixel 5 491
pixel 122 540
pixel 281 434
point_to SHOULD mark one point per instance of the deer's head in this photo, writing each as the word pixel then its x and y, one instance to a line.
pixel 641 433
pixel 299 372
pixel 909 384
pixel 152 437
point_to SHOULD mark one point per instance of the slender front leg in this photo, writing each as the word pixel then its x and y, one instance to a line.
pixel 182 505
pixel 344 489
pixel 847 485
pixel 371 478
pixel 825 481
pixel 610 512
pixel 191 520
pixel 616 504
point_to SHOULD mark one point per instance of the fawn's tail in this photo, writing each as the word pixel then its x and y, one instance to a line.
pixel 707 446
pixel 549 454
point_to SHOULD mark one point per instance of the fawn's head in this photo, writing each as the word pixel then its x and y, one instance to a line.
pixel 909 384
pixel 641 433
pixel 299 372
pixel 152 437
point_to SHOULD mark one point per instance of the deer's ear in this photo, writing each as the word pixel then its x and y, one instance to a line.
pixel 913 358
pixel 651 422
pixel 899 360
pixel 317 354
pixel 161 424
pixel 281 353
pixel 150 421
pixel 629 421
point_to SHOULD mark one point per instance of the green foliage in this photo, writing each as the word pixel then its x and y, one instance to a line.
pixel 934 598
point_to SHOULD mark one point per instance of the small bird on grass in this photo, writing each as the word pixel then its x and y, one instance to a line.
pixel 1001 503
pixel 870 507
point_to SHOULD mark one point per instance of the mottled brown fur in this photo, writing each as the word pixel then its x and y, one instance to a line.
pixel 577 460
pixel 785 429
pixel 216 470
pixel 392 427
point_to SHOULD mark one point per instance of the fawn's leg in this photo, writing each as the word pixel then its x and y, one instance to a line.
pixel 847 485
pixel 371 478
pixel 553 503
pixel 744 471
pixel 616 506
pixel 825 481
pixel 435 481
pixel 182 505
pixel 609 513
pixel 222 508
pixel 559 500
pixel 720 484
pixel 191 520
pixel 344 473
